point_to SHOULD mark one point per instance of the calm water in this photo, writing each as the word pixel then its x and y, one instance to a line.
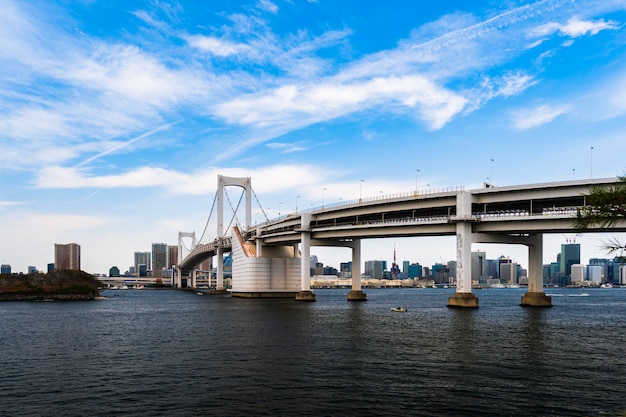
pixel 165 353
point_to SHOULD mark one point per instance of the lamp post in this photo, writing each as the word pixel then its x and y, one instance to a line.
pixel 297 197
pixel 417 171
pixel 361 190
pixel 574 171
pixel 323 196
pixel 280 205
pixel 591 162
pixel 491 171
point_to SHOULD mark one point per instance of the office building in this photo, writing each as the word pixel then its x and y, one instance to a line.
pixel 5 269
pixel 479 265
pixel 570 255
pixel 374 269
pixel 172 255
pixel 159 258
pixel 142 258
pixel 66 256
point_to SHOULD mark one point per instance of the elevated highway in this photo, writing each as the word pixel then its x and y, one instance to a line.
pixel 513 214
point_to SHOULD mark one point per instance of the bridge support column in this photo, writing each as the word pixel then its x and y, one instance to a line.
pixel 535 297
pixel 219 275
pixel 356 294
pixel 305 293
pixel 463 298
pixel 194 277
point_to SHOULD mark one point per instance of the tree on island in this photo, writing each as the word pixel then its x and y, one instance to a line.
pixel 605 207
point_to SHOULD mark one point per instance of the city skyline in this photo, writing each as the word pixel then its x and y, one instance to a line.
pixel 117 119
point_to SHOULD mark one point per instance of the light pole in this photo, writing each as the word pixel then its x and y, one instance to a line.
pixel 574 171
pixel 361 190
pixel 591 162
pixel 297 197
pixel 323 196
pixel 280 205
pixel 417 171
pixel 491 172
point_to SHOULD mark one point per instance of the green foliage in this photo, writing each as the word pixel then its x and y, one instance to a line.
pixel 57 281
pixel 606 206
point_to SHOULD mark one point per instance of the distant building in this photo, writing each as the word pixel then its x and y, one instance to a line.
pixel 577 273
pixel 570 255
pixel 595 274
pixel 159 258
pixel 374 269
pixel 50 268
pixel 172 255
pixel 142 258
pixel 479 265
pixel 114 271
pixel 32 269
pixel 507 271
pixel 345 269
pixel 67 256
pixel 415 270
pixel 5 269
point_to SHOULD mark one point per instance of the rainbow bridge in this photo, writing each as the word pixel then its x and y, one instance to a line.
pixel 271 259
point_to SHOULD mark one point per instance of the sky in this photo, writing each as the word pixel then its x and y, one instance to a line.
pixel 116 117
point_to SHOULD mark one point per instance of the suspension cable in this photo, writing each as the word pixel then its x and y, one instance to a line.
pixel 260 206
pixel 209 219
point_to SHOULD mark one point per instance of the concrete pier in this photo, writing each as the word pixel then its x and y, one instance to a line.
pixel 357 295
pixel 463 300
pixel 536 299
pixel 305 296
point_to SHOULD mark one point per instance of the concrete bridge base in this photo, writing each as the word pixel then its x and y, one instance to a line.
pixel 357 295
pixel 305 296
pixel 263 294
pixel 463 300
pixel 536 299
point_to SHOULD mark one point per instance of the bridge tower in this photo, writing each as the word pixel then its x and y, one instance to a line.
pixel 177 278
pixel 224 181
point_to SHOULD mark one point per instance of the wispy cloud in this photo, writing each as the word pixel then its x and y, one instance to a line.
pixel 537 116
pixel 575 28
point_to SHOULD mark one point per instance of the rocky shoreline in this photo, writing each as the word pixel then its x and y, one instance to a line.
pixel 66 285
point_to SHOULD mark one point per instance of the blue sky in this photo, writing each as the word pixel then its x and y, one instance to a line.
pixel 116 117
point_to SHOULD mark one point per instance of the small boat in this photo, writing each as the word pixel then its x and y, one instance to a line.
pixel 199 293
pixel 398 309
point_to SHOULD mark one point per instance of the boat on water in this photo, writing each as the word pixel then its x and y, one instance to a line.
pixel 606 285
pixel 398 309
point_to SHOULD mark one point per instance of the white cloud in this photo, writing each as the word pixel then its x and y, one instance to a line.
pixel 216 46
pixel 295 105
pixel 288 147
pixel 268 6
pixel 575 28
pixel 529 118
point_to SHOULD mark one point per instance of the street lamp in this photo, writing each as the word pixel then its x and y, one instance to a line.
pixel 280 205
pixel 491 172
pixel 417 171
pixel 361 190
pixel 297 197
pixel 591 162
pixel 574 171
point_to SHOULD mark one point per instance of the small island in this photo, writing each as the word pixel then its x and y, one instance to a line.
pixel 67 285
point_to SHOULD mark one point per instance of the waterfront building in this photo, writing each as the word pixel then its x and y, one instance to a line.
pixel 479 268
pixel 159 258
pixel 577 275
pixel 67 256
pixel 345 269
pixel 415 270
pixel 405 267
pixel 172 255
pixel 441 274
pixel 142 258
pixel 595 274
pixel 491 266
pixel 570 255
pixel 114 271
pixel 5 269
pixel 374 269
pixel 508 272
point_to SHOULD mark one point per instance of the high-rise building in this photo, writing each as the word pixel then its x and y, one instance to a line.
pixel 159 258
pixel 5 269
pixel 66 256
pixel 374 269
pixel 415 270
pixel 570 255
pixel 142 258
pixel 479 266
pixel 172 255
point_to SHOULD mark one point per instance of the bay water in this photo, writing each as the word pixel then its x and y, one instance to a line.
pixel 171 353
